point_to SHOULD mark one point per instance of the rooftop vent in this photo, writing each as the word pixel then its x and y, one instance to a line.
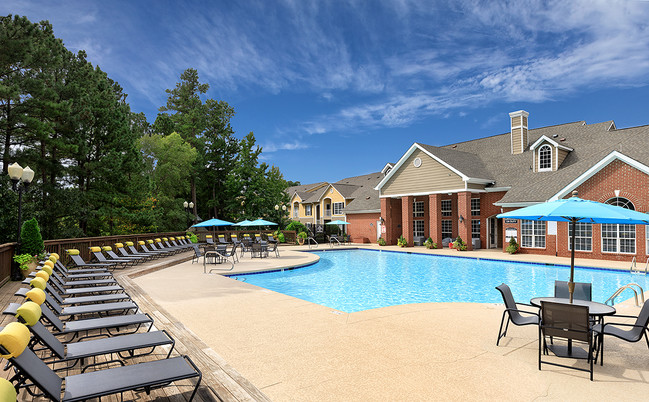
pixel 518 132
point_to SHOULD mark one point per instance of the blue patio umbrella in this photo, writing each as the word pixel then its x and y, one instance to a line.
pixel 573 210
pixel 212 222
pixel 261 222
pixel 243 223
pixel 338 222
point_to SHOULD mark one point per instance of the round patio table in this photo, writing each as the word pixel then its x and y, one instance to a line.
pixel 594 308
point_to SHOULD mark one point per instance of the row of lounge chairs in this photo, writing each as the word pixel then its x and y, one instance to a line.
pixel 571 322
pixel 82 318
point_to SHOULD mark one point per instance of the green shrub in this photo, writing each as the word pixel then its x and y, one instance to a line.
pixel 402 241
pixel 302 235
pixel 31 239
pixel 513 247
pixel 429 243
pixel 297 226
pixel 281 238
pixel 192 237
pixel 459 244
pixel 23 260
pixel 381 241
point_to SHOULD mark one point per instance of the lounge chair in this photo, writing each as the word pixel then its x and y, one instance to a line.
pixel 61 282
pixel 152 251
pixel 583 291
pixel 146 376
pixel 151 244
pixel 79 262
pixel 76 311
pixel 184 247
pixel 513 313
pixel 570 322
pixel 132 259
pixel 74 327
pixel 78 300
pixel 99 256
pixel 132 252
pixel 197 253
pixel 29 313
pixel 636 331
pixel 78 271
pixel 173 249
pixel 209 239
pixel 42 284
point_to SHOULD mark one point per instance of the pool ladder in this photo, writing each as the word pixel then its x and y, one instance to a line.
pixel 633 286
pixel 634 269
pixel 309 239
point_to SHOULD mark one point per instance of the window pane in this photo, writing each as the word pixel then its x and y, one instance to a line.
pixel 418 228
pixel 475 206
pixel 418 209
pixel 475 228
pixel 447 228
pixel 446 208
pixel 545 157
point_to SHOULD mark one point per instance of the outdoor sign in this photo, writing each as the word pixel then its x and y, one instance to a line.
pixel 511 233
pixel 511 220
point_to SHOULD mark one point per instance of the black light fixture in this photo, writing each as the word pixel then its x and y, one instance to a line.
pixel 20 181
pixel 461 219
pixel 189 208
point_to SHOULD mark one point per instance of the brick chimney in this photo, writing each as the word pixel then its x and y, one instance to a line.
pixel 518 131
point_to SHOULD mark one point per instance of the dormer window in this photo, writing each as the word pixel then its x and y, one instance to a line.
pixel 545 158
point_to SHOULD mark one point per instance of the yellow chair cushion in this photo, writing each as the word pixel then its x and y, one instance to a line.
pixel 119 245
pixel 7 391
pixel 52 258
pixel 150 241
pixel 73 251
pixel 140 242
pixel 38 283
pixel 14 339
pixel 172 238
pixel 95 249
pixel 222 236
pixel 233 236
pixel 129 243
pixel 107 248
pixel 158 240
pixel 30 312
pixel 165 239
pixel 36 295
pixel 47 269
pixel 43 274
pixel 49 263
pixel 208 236
pixel 55 255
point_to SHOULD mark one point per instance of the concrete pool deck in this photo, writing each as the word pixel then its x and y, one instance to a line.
pixel 296 350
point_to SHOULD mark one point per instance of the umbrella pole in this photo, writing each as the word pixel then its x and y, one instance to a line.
pixel 571 283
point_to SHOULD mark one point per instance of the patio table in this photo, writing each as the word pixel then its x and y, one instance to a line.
pixel 595 309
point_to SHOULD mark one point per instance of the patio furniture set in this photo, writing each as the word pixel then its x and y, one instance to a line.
pixel 578 320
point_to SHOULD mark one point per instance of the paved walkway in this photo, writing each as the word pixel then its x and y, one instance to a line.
pixel 295 350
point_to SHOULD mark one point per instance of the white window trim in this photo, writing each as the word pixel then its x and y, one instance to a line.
pixel 538 157
pixel 545 236
pixel 635 241
pixel 472 210
pixel 333 208
pixel 450 210
pixel 414 227
pixel 415 212
pixel 310 212
pixel 591 240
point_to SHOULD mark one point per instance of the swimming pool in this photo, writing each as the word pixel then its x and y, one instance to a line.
pixel 357 280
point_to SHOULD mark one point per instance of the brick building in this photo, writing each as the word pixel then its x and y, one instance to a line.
pixel 458 189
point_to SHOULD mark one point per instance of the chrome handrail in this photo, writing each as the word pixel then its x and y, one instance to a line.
pixel 220 256
pixel 309 242
pixel 633 265
pixel 631 286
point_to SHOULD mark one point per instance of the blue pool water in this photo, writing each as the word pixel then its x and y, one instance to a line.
pixel 356 280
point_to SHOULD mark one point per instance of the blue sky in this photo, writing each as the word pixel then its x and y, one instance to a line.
pixel 334 89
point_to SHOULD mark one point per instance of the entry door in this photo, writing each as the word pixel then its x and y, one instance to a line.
pixel 317 213
pixel 493 233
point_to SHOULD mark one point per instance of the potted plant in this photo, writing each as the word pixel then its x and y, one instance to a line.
pixel 429 243
pixel 31 247
pixel 402 241
pixel 301 238
pixel 513 247
pixel 459 244
pixel 381 241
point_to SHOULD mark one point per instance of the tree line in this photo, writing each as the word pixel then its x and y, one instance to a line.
pixel 103 169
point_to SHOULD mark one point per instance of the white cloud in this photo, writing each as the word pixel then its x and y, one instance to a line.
pixel 286 146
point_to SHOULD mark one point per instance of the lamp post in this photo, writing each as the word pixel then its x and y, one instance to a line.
pixel 20 180
pixel 280 214
pixel 189 207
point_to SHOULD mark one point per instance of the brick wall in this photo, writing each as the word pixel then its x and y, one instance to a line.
pixel 362 227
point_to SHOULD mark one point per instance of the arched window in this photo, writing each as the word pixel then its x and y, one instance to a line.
pixel 619 238
pixel 545 158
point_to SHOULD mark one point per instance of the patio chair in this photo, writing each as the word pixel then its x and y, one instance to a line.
pixel 77 300
pixel 99 256
pixel 272 248
pixel 133 259
pixel 570 322
pixel 257 238
pixel 246 245
pixel 209 239
pixel 72 283
pixel 76 311
pixel 222 239
pixel 129 249
pixel 29 313
pixel 583 291
pixel 197 253
pixel 168 243
pixel 66 275
pixel 79 262
pixel 152 250
pixel 172 249
pixel 513 313
pixel 145 376
pixel 636 331
pixel 257 250
pixel 75 327
pixel 151 244
pixel 41 283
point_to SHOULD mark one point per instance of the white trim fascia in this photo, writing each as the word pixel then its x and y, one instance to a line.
pixel 516 204
pixel 495 189
pixel 366 211
pixel 298 196
pixel 474 180
pixel 551 141
pixel 615 155
pixel 405 156
pixel 457 190
pixel 387 165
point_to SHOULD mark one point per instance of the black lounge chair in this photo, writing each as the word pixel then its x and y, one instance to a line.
pixel 153 247
pixel 79 271
pixel 30 314
pixel 79 300
pixel 132 252
pixel 513 313
pixel 222 239
pixel 197 253
pixel 570 322
pixel 100 257
pixel 583 291
pixel 116 322
pixel 79 387
pixel 79 262
pixel 209 239
pixel 76 311
pixel 132 259
pixel 636 331
pixel 160 246
pixel 150 251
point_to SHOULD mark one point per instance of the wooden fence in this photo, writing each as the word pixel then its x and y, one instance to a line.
pixel 83 244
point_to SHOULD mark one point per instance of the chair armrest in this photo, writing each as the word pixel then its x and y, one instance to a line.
pixel 620 324
pixel 527 304
pixel 624 316
pixel 523 311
